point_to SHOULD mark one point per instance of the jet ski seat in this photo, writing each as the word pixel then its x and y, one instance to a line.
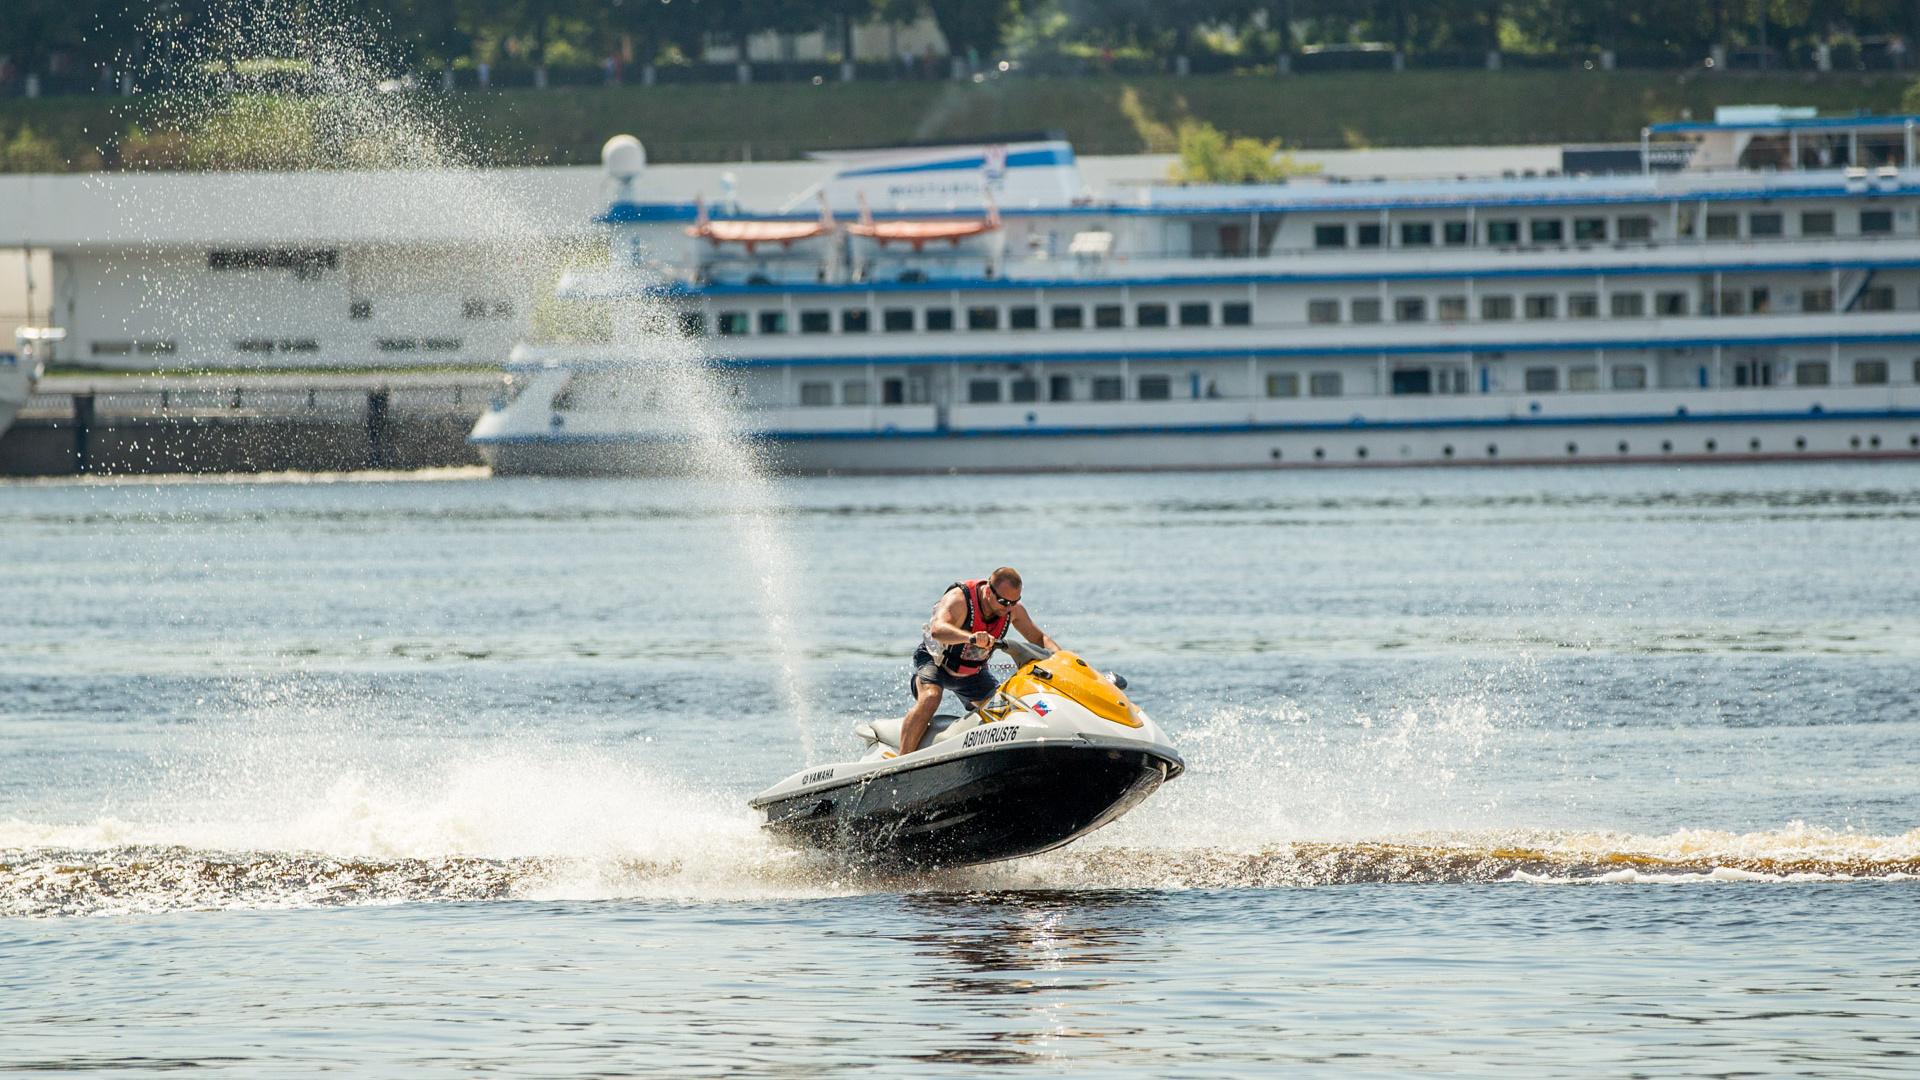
pixel 887 732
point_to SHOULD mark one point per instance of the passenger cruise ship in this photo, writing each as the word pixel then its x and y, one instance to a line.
pixel 977 308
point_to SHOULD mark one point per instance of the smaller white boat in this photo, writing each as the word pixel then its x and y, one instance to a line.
pixel 1057 752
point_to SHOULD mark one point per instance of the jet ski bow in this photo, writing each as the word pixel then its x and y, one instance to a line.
pixel 1057 752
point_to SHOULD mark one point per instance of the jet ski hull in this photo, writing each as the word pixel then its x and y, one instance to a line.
pixel 1014 800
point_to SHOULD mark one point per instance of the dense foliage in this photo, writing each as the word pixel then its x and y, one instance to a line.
pixel 79 40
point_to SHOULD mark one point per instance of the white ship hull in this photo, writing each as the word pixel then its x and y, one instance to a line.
pixel 1759 425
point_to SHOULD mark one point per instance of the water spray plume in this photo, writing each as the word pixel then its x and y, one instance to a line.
pixel 275 84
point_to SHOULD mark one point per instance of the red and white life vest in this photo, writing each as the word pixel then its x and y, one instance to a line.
pixel 966 658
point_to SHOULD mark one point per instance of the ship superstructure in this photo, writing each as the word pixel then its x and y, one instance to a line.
pixel 1760 300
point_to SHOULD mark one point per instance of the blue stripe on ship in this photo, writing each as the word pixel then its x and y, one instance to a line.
pixel 1355 424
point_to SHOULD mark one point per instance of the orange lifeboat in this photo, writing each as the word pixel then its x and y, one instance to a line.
pixel 751 233
pixel 923 232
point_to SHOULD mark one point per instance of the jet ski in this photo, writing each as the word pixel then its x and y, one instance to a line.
pixel 1056 753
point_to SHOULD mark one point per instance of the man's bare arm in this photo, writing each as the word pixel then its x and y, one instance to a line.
pixel 947 617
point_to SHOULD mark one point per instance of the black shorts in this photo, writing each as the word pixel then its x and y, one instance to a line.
pixel 970 689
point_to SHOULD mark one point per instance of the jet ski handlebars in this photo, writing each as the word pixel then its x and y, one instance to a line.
pixel 1021 651
pixel 1027 653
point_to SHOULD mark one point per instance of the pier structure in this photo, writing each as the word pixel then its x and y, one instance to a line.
pixel 305 422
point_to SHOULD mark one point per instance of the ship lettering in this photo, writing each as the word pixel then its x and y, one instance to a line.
pixel 816 776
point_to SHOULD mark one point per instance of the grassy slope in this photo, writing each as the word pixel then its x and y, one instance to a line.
pixel 712 122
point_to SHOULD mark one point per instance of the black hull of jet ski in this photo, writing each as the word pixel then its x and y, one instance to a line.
pixel 1003 804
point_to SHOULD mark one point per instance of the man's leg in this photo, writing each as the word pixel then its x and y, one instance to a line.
pixel 926 702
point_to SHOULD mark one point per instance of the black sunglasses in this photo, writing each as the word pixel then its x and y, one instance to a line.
pixel 1003 601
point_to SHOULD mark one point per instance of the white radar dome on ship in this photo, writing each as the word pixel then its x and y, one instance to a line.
pixel 623 157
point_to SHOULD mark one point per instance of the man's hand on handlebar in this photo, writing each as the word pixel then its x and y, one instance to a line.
pixel 982 640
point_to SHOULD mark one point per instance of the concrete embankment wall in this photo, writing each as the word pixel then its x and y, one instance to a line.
pixel 206 424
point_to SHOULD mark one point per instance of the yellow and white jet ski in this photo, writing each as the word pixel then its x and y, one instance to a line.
pixel 1057 752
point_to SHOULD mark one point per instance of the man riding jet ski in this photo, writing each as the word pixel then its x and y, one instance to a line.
pixel 969 620
pixel 1051 754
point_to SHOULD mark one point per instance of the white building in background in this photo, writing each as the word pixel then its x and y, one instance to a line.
pixel 260 270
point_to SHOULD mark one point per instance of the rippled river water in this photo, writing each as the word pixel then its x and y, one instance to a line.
pixel 1515 772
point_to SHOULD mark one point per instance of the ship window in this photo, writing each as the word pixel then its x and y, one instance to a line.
pixel 1878 298
pixel 1542 379
pixel 169 347
pixel 1025 389
pixel 1496 308
pixel 983 318
pixel 983 391
pixel 939 318
pixel 125 348
pixel 1410 309
pixel 1060 388
pixel 897 320
pixel 1869 372
pixel 1546 230
pixel 1452 309
pixel 1630 377
pixel 1150 315
pixel 1329 236
pixel 1670 303
pixel 1811 373
pixel 433 344
pixel 1628 305
pixel 1732 302
pixel 733 323
pixel 692 323
pixel 1765 224
pixel 1816 223
pixel 854 320
pixel 1583 378
pixel 1759 299
pixel 854 392
pixel 816 322
pixel 1416 234
pixel 1324 384
pixel 265 345
pixel 1590 228
pixel 1068 316
pixel 1108 388
pixel 1023 318
pixel 893 391
pixel 773 322
pixel 1816 300
pixel 1503 232
pixel 816 393
pixel 1366 311
pixel 1723 226
pixel 1323 311
pixel 1583 306
pixel 1876 221
pixel 1109 316
pixel 473 309
pixel 1196 314
pixel 1455 233
pixel 1413 381
pixel 1155 388
pixel 360 309
pixel 1366 236
pixel 1633 228
pixel 1283 385
pixel 1236 314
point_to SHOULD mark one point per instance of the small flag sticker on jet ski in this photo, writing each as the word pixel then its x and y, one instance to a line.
pixel 1040 707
